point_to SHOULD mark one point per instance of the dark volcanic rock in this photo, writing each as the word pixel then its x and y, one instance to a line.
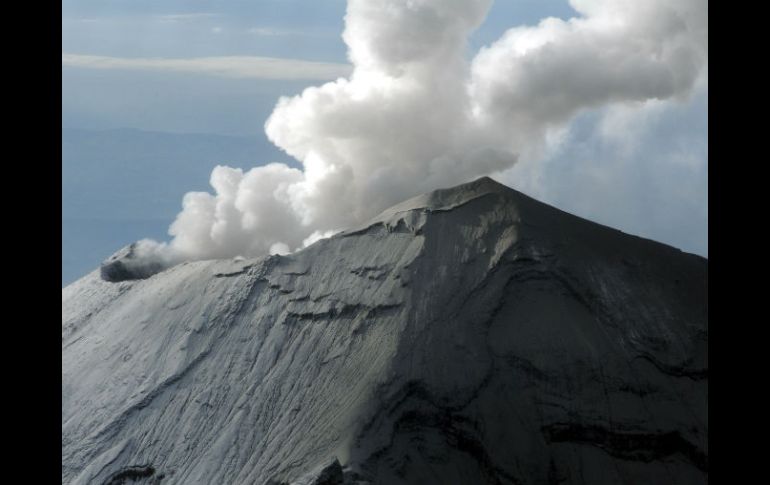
pixel 470 335
pixel 328 474
pixel 125 265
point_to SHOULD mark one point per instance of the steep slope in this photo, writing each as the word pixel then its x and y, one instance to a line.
pixel 470 335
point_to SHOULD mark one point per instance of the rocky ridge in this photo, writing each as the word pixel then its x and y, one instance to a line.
pixel 469 335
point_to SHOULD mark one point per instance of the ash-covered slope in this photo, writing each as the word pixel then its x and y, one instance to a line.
pixel 471 335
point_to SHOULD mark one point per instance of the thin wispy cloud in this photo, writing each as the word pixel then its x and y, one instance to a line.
pixel 272 32
pixel 239 67
pixel 269 32
pixel 185 17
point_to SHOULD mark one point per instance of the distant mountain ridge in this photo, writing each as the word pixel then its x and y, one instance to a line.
pixel 470 335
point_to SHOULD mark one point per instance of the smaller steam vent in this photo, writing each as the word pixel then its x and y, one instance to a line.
pixel 125 265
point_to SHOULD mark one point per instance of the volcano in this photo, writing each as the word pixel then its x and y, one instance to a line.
pixel 470 335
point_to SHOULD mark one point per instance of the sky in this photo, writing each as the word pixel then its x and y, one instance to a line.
pixel 97 36
pixel 218 68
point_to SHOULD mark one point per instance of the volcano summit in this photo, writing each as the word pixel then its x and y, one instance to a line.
pixel 469 335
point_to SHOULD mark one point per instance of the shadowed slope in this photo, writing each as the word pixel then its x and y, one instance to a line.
pixel 469 335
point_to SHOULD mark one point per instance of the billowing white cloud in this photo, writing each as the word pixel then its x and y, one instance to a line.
pixel 242 67
pixel 536 78
pixel 416 114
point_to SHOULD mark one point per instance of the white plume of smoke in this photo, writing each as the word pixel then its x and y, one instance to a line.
pixel 416 114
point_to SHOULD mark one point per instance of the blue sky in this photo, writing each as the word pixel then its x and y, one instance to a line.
pixel 650 180
pixel 280 28
pixel 161 100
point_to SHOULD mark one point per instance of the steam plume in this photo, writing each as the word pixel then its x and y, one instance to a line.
pixel 416 114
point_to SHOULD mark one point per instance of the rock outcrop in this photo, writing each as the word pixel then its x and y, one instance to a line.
pixel 126 265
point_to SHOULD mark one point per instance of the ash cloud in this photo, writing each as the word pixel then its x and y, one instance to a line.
pixel 420 112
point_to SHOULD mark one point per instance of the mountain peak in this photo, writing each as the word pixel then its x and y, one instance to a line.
pixel 445 199
pixel 513 342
